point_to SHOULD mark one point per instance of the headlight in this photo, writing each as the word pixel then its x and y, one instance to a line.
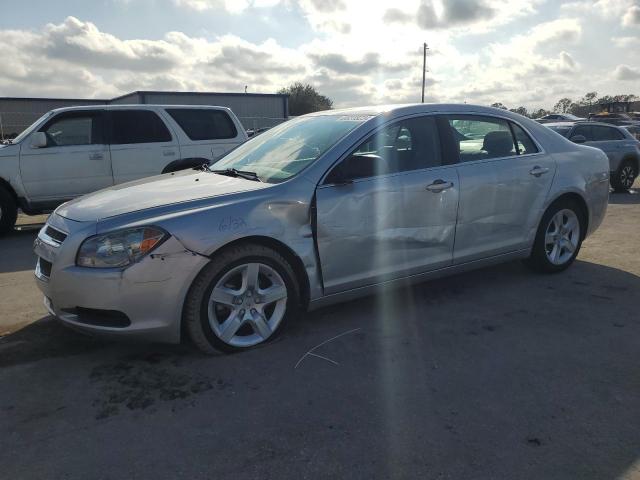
pixel 119 249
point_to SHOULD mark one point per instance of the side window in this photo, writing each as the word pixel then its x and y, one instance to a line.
pixel 204 124
pixel 481 138
pixel 584 130
pixel 407 145
pixel 523 141
pixel 74 128
pixel 137 126
pixel 601 134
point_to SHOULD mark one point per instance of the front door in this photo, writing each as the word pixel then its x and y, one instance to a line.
pixel 504 182
pixel 75 161
pixel 388 209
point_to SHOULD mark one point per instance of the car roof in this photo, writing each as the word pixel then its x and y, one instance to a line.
pixel 144 106
pixel 397 110
pixel 582 122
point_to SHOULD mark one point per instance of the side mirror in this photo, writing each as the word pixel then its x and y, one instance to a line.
pixel 39 140
pixel 578 139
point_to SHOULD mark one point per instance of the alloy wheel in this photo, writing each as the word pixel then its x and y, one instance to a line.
pixel 247 304
pixel 627 176
pixel 562 237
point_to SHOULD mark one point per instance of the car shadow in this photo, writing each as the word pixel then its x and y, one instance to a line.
pixel 16 249
pixel 486 374
pixel 632 197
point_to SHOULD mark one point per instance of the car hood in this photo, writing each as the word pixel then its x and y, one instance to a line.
pixel 158 191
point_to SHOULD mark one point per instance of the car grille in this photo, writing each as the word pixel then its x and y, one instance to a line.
pixel 55 234
pixel 44 267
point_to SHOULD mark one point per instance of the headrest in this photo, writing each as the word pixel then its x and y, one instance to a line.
pixel 498 143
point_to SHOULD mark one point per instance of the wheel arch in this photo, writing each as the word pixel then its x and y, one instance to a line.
pixel 283 249
pixel 631 158
pixel 579 199
pixel 7 186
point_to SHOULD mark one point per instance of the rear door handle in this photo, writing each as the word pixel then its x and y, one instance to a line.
pixel 96 156
pixel 439 186
pixel 537 171
pixel 168 153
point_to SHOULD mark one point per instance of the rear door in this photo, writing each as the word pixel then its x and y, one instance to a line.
pixel 610 141
pixel 208 132
pixel 503 185
pixel 141 144
pixel 74 162
pixel 388 209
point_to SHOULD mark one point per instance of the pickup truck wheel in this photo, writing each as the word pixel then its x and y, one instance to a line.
pixel 241 299
pixel 8 211
pixel 623 179
pixel 558 239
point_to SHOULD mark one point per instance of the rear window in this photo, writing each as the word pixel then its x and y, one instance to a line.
pixel 204 124
pixel 564 131
pixel 602 134
pixel 137 126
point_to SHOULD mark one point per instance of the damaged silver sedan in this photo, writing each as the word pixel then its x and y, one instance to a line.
pixel 320 209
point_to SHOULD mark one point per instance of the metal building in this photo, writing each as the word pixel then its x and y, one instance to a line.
pixel 255 110
pixel 16 114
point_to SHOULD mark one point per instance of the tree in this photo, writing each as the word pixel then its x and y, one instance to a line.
pixel 588 99
pixel 563 106
pixel 541 112
pixel 305 99
pixel 498 105
pixel 521 111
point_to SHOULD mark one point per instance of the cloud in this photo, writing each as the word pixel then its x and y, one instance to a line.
pixel 625 73
pixel 625 42
pixel 632 17
pixel 451 14
pixel 369 63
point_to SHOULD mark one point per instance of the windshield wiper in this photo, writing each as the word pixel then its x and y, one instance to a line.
pixel 232 172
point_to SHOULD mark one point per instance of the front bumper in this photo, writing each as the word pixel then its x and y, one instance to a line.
pixel 149 293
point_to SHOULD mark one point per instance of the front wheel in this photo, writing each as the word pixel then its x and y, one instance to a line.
pixel 558 239
pixel 623 179
pixel 8 211
pixel 241 299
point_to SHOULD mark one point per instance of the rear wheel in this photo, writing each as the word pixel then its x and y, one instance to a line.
pixel 241 299
pixel 558 239
pixel 8 211
pixel 623 179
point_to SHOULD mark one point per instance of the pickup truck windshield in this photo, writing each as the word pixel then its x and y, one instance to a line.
pixel 283 151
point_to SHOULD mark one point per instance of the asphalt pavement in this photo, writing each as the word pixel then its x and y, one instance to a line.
pixel 495 374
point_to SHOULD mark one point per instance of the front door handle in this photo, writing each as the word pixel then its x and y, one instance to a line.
pixel 537 171
pixel 439 186
pixel 96 156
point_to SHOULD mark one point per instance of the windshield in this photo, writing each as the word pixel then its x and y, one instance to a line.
pixel 562 130
pixel 31 128
pixel 280 153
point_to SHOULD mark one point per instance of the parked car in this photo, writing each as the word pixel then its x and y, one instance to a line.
pixel 559 117
pixel 621 147
pixel 77 150
pixel 323 208
pixel 613 118
pixel 633 130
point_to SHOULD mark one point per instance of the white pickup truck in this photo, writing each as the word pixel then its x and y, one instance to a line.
pixel 76 150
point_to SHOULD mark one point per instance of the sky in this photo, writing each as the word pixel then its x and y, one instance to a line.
pixel 357 52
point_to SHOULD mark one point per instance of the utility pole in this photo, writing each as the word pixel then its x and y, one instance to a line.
pixel 424 67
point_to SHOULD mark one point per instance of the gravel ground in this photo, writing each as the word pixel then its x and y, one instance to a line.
pixel 496 374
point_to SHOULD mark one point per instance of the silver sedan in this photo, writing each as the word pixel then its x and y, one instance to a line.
pixel 323 208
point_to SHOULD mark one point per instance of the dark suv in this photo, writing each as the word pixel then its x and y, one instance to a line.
pixel 618 143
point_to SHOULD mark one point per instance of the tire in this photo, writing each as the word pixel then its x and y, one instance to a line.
pixel 255 320
pixel 623 179
pixel 8 211
pixel 557 246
